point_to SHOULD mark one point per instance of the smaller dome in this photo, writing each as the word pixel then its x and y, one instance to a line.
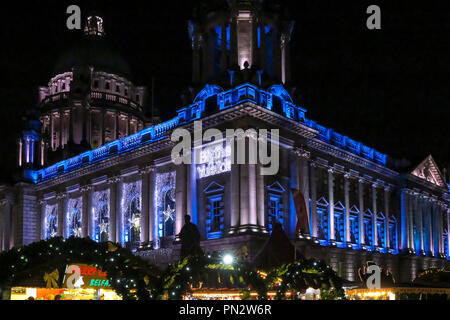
pixel 94 50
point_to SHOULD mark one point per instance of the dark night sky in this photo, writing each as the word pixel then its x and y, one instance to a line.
pixel 389 89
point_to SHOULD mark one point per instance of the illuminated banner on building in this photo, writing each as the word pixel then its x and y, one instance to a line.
pixel 84 276
pixel 214 160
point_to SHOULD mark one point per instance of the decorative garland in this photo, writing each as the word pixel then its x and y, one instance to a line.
pixel 133 278
pixel 181 275
pixel 298 276
pixel 129 275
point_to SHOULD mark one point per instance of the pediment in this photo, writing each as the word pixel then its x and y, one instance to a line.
pixel 277 187
pixel 213 187
pixel 429 171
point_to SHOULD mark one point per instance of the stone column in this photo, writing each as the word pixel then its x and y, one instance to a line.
pixel 42 205
pixel 260 196
pixel 180 196
pixel 374 216
pixel 303 157
pixel 430 226
pixel 6 242
pixel 144 174
pixel 420 223
pixel 152 233
pixel 235 196
pixel 103 113
pixel 361 211
pixel 404 222
pixel 387 214
pixel 61 115
pixel 244 198
pixel 347 209
pixel 331 233
pixel 253 218
pixel 448 231
pixel 86 219
pixel 411 220
pixel 313 199
pixel 114 194
pixel 62 214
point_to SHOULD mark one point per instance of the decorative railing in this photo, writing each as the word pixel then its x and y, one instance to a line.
pixel 136 140
pixel 96 95
pixel 223 100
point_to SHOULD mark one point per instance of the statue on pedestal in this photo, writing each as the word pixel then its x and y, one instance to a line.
pixel 190 239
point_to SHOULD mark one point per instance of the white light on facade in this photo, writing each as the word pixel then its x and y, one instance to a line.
pixel 228 259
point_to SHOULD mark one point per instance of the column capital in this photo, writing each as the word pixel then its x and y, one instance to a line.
pixel 86 188
pixel 331 170
pixel 302 153
pixel 147 169
pixel 114 180
pixel 62 195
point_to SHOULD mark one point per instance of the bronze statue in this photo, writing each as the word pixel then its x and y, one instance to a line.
pixel 190 239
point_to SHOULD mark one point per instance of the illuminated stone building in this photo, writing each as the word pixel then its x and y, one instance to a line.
pixel 127 188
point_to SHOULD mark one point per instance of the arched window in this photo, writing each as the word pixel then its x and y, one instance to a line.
pixel 51 221
pixel 165 204
pixel 131 212
pixel 101 215
pixel 74 215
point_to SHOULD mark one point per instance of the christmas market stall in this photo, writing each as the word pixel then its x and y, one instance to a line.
pixel 75 269
pixel 431 284
pixel 212 277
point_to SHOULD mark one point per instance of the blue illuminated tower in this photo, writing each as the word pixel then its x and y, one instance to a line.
pixel 240 41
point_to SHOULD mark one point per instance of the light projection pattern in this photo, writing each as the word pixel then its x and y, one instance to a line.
pixel 131 212
pixel 74 215
pixel 51 221
pixel 101 215
pixel 214 160
pixel 165 203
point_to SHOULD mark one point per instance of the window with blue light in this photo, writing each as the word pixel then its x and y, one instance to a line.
pixel 445 240
pixel 393 237
pixel 381 241
pixel 339 222
pixel 354 227
pixel 165 204
pixel 101 215
pixel 51 221
pixel 368 228
pixel 322 208
pixel 215 217
pixel 275 211
pixel 131 212
pixel 74 214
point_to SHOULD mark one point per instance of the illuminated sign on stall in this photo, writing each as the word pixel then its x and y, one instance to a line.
pixel 83 276
pixel 214 160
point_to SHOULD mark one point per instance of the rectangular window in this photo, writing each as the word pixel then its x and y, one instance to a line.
pixel 215 218
pixel 275 214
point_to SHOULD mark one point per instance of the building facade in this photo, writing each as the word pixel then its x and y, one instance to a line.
pixel 125 187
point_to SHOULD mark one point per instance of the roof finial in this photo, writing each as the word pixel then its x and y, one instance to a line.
pixel 94 26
